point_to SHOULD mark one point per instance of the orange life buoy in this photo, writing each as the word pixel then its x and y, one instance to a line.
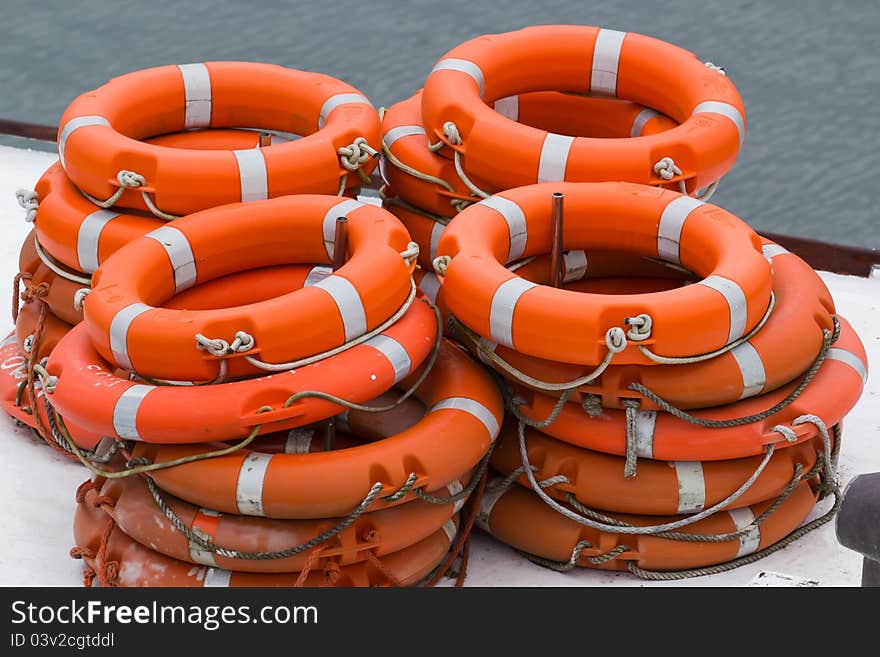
pixel 405 141
pixel 830 395
pixel 82 235
pixel 458 95
pixel 779 352
pixel 100 131
pixel 26 325
pixel 518 517
pixel 121 561
pixel 464 407
pixel 730 300
pixel 62 283
pixel 13 374
pixel 130 503
pixel 130 410
pixel 129 329
pixel 660 487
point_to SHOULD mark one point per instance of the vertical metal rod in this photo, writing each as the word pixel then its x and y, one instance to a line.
pixel 265 139
pixel 556 259
pixel 340 242
pixel 330 434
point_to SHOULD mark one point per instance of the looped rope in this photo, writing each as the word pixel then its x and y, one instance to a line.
pixel 62 271
pixel 218 347
pixel 441 263
pixel 716 68
pixel 79 296
pixel 48 381
pixel 130 180
pixel 640 327
pixel 666 168
pixel 453 137
pixel 354 156
pixel 29 200
pixel 411 254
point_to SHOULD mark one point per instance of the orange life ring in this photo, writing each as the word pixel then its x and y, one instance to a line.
pixel 660 487
pixel 129 502
pixel 404 139
pixel 100 131
pixel 464 407
pixel 730 300
pixel 121 561
pixel 520 519
pixel 373 284
pixel 82 235
pixel 117 406
pixel 26 325
pixel 62 288
pixel 459 91
pixel 779 352
pixel 665 437
pixel 13 373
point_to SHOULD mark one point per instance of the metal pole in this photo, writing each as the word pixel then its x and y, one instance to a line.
pixel 556 259
pixel 330 434
pixel 340 242
pixel 265 139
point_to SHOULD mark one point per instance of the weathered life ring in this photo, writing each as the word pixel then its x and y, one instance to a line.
pixel 464 407
pixel 130 410
pixel 82 235
pixel 783 349
pixel 458 95
pixel 519 518
pixel 100 133
pixel 130 503
pixel 121 561
pixel 13 374
pixel 831 394
pixel 130 330
pixel 405 141
pixel 730 300
pixel 62 283
pixel 26 325
pixel 660 487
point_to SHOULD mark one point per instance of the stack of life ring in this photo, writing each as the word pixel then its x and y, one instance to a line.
pixel 667 375
pixel 248 368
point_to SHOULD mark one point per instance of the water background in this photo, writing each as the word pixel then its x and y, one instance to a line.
pixel 808 72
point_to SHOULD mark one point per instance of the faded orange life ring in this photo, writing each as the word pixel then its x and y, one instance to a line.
pixel 82 235
pixel 130 503
pixel 26 326
pixel 100 133
pixel 660 487
pixel 519 518
pixel 128 328
pixel 830 395
pixel 730 300
pixel 13 374
pixel 459 92
pixel 121 561
pixel 405 141
pixel 40 267
pixel 464 408
pixel 772 357
pixel 130 410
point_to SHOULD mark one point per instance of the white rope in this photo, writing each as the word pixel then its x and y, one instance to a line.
pixel 441 263
pixel 28 343
pixel 354 156
pixel 411 254
pixel 706 193
pixel 640 327
pixel 219 347
pixel 453 137
pixel 283 367
pixel 58 269
pixel 130 180
pixel 29 200
pixel 714 67
pixel 79 297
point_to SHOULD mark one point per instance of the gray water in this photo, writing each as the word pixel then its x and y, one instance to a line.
pixel 808 72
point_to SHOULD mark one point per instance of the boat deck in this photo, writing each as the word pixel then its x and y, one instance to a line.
pixel 39 485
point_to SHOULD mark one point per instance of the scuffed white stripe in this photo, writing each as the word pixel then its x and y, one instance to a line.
pixel 436 231
pixel 645 423
pixel 394 352
pixel 400 132
pixel 671 224
pixel 508 107
pixel 849 358
pixel 316 275
pixel 575 262
pixel 736 304
pixel 75 124
pixel 748 542
pixel 217 577
pixel 252 174
pixel 299 441
pixel 197 92
pixel 724 109
pixel 348 301
pixel 751 368
pixel 503 306
pixel 463 66
pixel 641 121
pixel 119 332
pixel 691 486
pixel 472 407
pixel 493 492
pixel 335 101
pixel 179 250
pixel 516 223
pixel 430 286
pixel 249 488
pixel 454 487
pixel 606 60
pixel 126 409
pixel 770 251
pixel 88 237
pixel 554 157
pixel 450 530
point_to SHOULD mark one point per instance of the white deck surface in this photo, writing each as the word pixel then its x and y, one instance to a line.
pixel 38 486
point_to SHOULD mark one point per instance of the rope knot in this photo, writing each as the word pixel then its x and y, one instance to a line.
pixel 716 68
pixel 441 263
pixel 31 291
pixel 615 340
pixel 411 254
pixel 77 552
pixel 592 405
pixel 640 327
pixel 354 156
pixel 666 168
pixel 109 573
pixel 80 296
pixel 331 572
pixel 29 200
pixel 786 432
pixel 128 179
pixel 219 347
pixel 450 131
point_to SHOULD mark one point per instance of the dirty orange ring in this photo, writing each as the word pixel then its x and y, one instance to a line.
pixel 373 284
pixel 730 300
pixel 100 135
pixel 459 92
